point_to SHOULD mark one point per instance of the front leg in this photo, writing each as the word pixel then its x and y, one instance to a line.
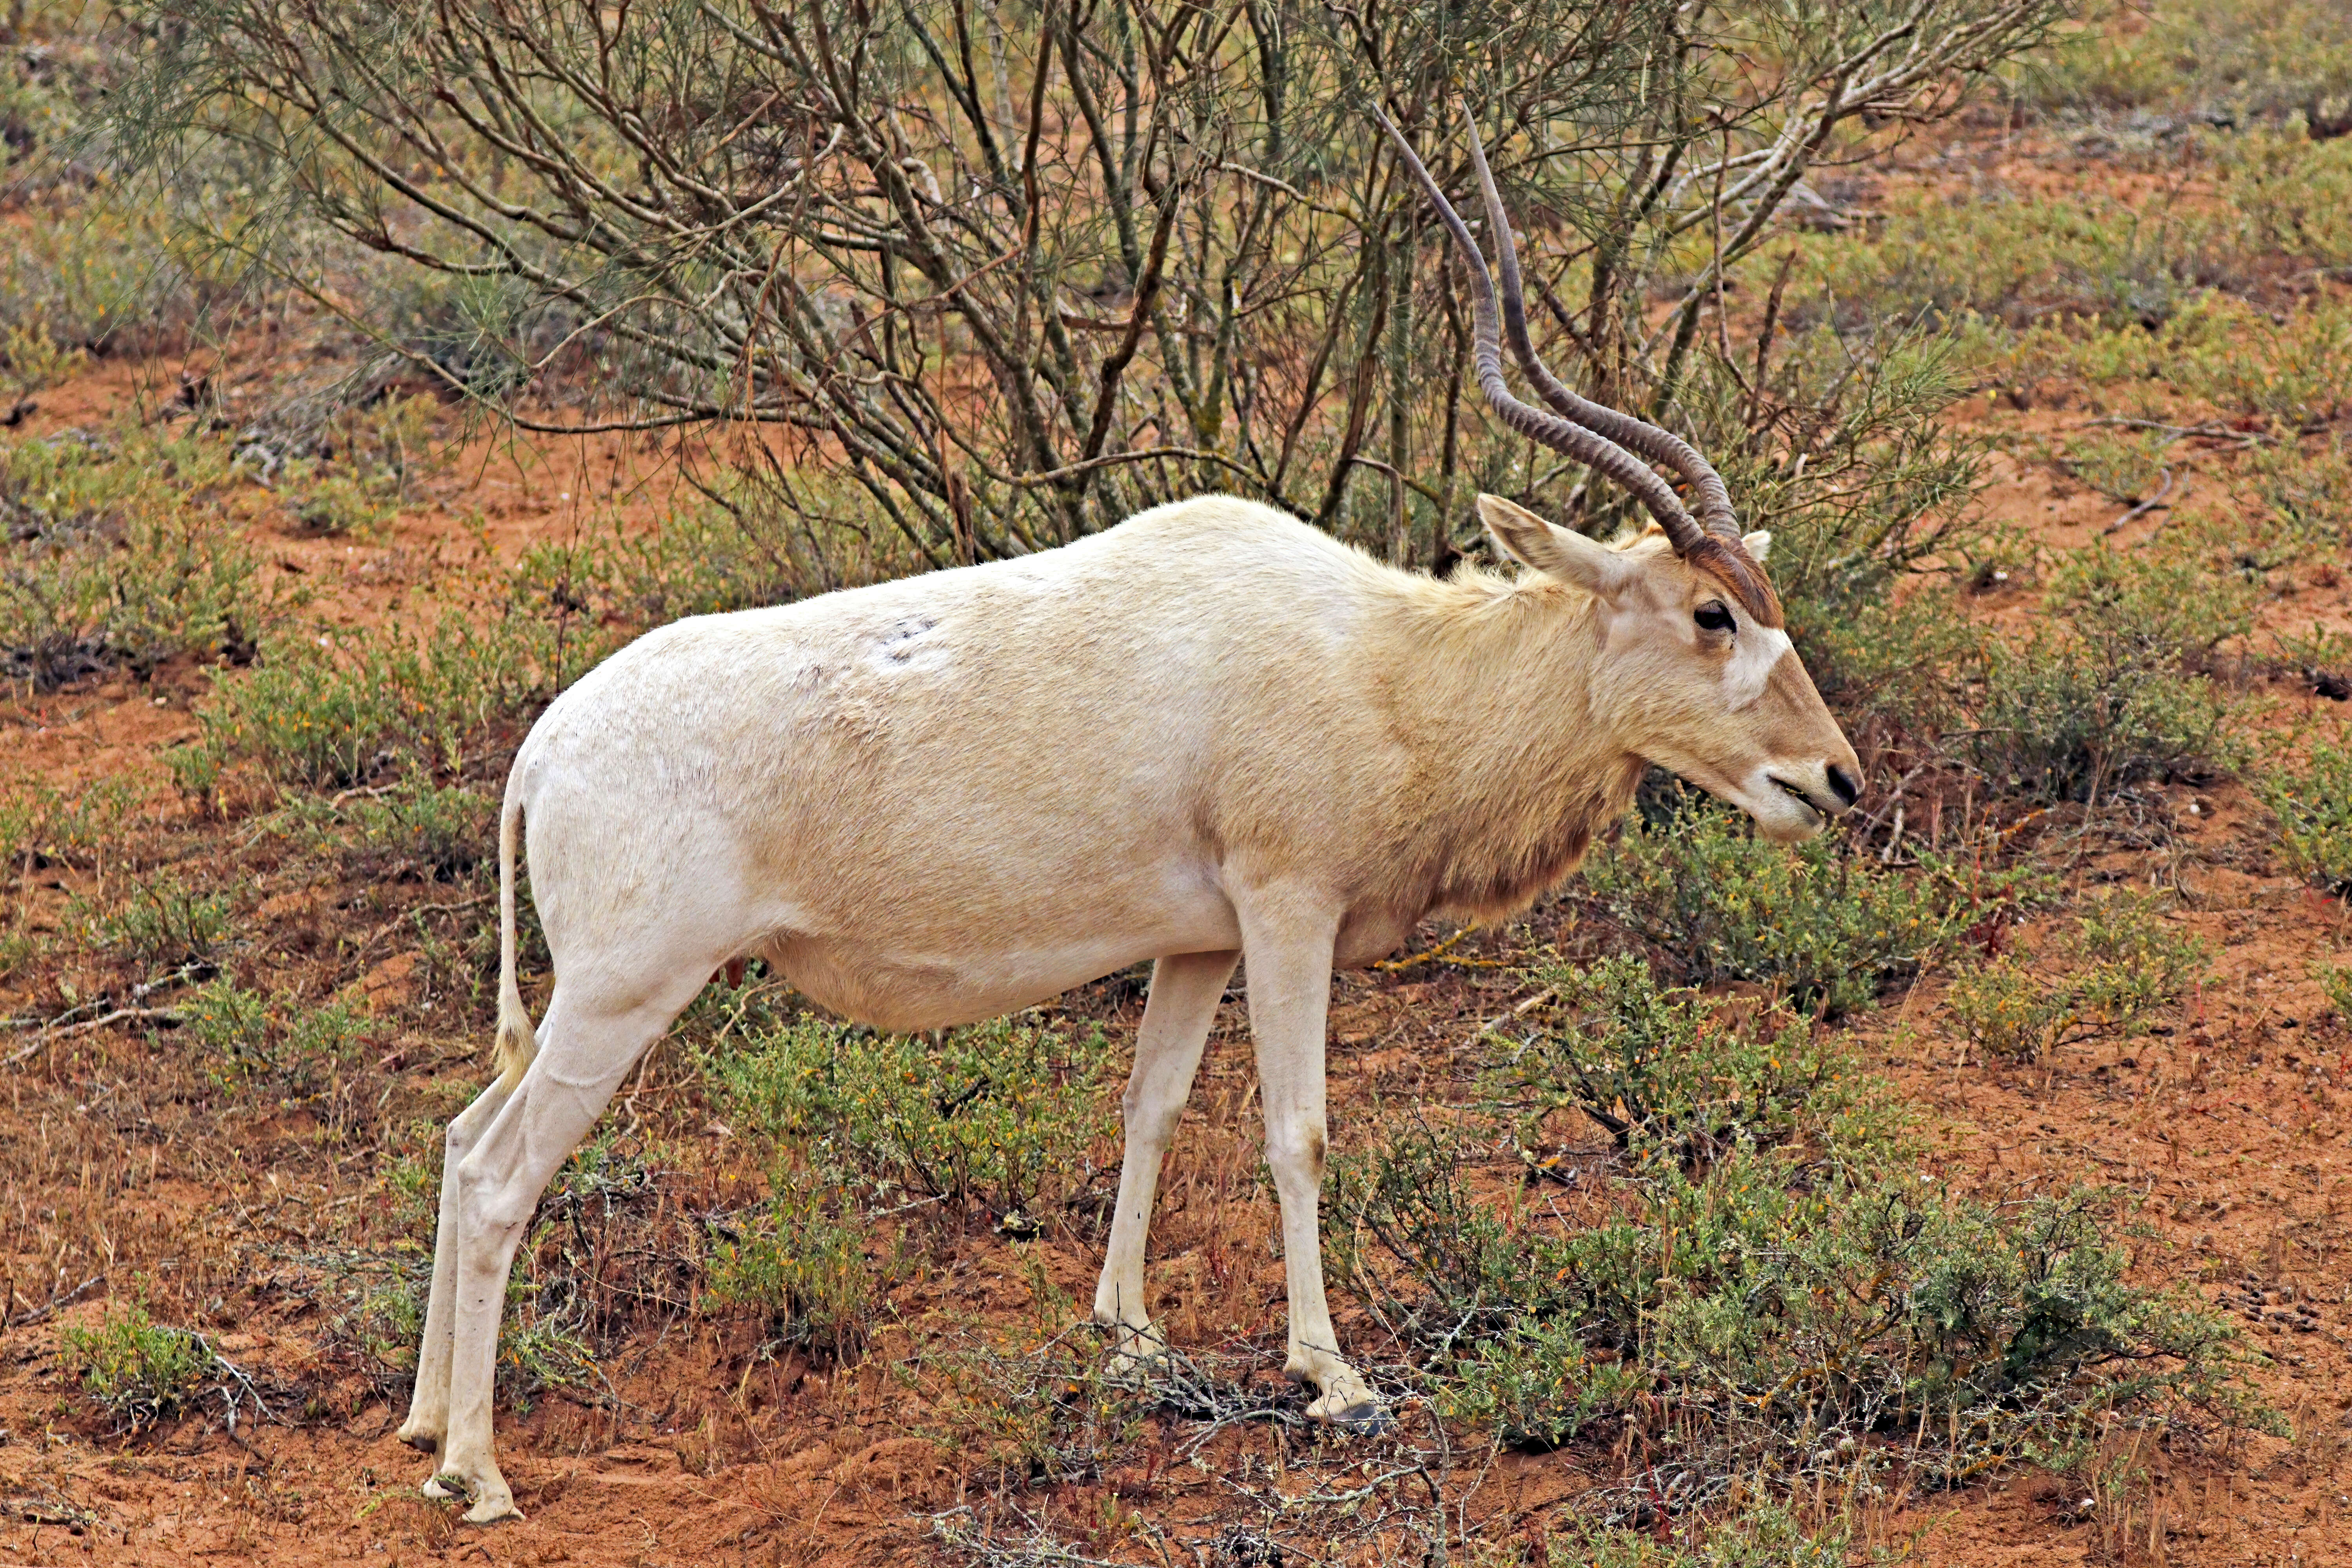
pixel 1185 991
pixel 1288 937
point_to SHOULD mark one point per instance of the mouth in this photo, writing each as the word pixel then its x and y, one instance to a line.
pixel 1800 796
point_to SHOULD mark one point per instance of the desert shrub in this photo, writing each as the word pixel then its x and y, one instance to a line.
pixel 118 557
pixel 42 824
pixel 2109 693
pixel 1780 1305
pixel 2118 963
pixel 1664 1069
pixel 30 361
pixel 1911 662
pixel 2313 803
pixel 2014 259
pixel 2336 984
pixel 160 920
pixel 2126 468
pixel 1802 1299
pixel 353 463
pixel 138 1369
pixel 409 829
pixel 2231 59
pixel 329 712
pixel 2066 718
pixel 1032 1404
pixel 2169 607
pixel 2306 490
pixel 1003 1113
pixel 246 1038
pixel 104 275
pixel 801 1262
pixel 1831 929
pixel 2290 194
pixel 1759 1534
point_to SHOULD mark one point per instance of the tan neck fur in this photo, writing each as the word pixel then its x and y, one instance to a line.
pixel 1488 683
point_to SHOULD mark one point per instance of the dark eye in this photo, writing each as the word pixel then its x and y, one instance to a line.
pixel 1713 616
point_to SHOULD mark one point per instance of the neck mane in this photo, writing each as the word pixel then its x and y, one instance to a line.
pixel 1488 683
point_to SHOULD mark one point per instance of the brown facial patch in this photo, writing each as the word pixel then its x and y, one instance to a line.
pixel 1728 563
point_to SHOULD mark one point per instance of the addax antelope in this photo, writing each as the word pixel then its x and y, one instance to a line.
pixel 1209 733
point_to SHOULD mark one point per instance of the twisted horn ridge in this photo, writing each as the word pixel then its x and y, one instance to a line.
pixel 1659 445
pixel 1564 435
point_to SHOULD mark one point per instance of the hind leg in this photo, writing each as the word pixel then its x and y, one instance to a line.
pixel 429 1406
pixel 588 1047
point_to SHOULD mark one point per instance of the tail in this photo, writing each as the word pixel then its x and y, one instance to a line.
pixel 517 1044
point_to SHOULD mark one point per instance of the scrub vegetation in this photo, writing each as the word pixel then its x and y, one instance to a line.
pixel 1968 1175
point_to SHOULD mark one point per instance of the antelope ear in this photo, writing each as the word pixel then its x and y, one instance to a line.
pixel 1554 550
pixel 1758 544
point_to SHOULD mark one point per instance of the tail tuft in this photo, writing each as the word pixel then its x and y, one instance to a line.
pixel 517 1042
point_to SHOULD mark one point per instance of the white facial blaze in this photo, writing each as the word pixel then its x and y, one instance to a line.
pixel 1754 651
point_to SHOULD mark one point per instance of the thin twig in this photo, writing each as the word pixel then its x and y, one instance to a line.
pixel 120 1015
pixel 2153 503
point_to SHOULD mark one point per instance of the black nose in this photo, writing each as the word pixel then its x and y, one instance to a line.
pixel 1841 784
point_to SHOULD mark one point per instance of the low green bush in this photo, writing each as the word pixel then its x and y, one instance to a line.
pixel 1004 1113
pixel 2110 692
pixel 119 556
pixel 293 1046
pixel 2159 608
pixel 161 921
pixel 138 1371
pixel 2066 718
pixel 2118 963
pixel 2313 803
pixel 1803 1300
pixel 804 1264
pixel 329 712
pixel 409 828
pixel 1828 929
pixel 2336 984
pixel 1663 1068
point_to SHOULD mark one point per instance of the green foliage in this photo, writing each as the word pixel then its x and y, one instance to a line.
pixel 1802 1299
pixel 2280 372
pixel 2012 259
pixel 2119 963
pixel 1830 930
pixel 1035 1400
pixel 2127 469
pixel 138 1369
pixel 801 1264
pixel 2157 609
pixel 1003 1113
pixel 2336 983
pixel 1667 1069
pixel 2064 720
pixel 2106 696
pixel 39 820
pixel 410 827
pixel 329 712
pixel 103 275
pixel 245 1040
pixel 2313 803
pixel 161 922
pixel 29 361
pixel 2257 60
pixel 1762 1535
pixel 2306 488
pixel 119 557
pixel 357 466
pixel 1779 1308
pixel 2293 196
